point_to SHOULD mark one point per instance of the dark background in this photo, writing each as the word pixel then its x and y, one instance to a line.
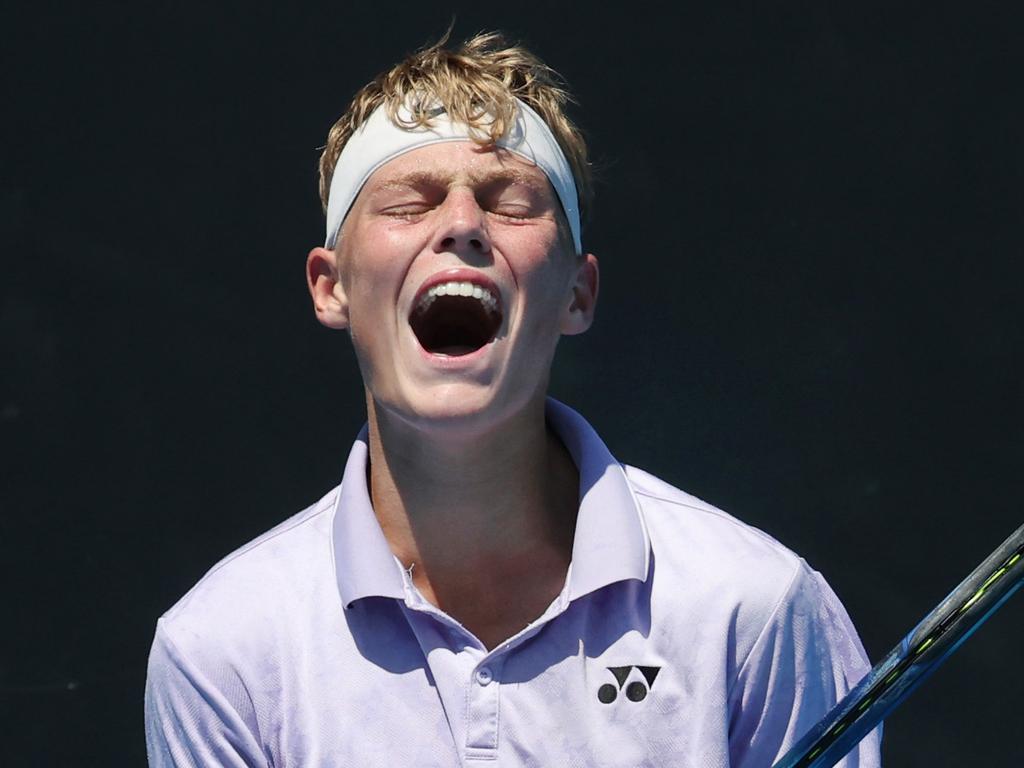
pixel 809 221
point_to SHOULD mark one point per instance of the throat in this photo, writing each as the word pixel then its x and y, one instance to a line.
pixel 490 524
pixel 498 601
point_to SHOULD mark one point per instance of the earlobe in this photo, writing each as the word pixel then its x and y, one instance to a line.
pixel 329 300
pixel 583 301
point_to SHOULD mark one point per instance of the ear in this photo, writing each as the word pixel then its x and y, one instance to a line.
pixel 329 300
pixel 580 313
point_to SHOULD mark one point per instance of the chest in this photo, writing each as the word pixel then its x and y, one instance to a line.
pixel 426 697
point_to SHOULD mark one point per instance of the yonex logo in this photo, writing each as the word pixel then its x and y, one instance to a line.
pixel 635 691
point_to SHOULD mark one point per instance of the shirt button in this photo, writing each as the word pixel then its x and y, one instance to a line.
pixel 484 676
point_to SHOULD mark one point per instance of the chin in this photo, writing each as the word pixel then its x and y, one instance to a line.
pixel 455 409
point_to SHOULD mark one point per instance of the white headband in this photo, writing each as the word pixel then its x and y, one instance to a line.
pixel 378 140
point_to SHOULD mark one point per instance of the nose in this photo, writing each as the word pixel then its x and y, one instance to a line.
pixel 462 225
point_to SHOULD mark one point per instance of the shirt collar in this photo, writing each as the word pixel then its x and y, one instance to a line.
pixel 363 562
pixel 611 542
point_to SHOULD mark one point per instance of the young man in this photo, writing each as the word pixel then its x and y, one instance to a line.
pixel 488 585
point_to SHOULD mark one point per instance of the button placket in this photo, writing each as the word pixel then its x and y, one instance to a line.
pixel 483 703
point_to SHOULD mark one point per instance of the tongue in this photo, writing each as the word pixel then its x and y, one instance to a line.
pixel 454 350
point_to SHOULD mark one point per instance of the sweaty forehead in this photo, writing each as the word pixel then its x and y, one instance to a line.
pixel 457 163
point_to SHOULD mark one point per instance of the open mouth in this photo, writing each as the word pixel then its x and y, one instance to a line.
pixel 456 318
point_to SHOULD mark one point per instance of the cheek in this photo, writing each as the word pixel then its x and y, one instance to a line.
pixel 545 290
pixel 546 271
pixel 375 265
pixel 370 288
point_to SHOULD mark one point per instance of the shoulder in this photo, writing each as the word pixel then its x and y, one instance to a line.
pixel 215 654
pixel 705 536
pixel 259 587
pixel 711 565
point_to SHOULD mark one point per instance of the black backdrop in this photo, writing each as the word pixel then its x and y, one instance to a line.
pixel 809 223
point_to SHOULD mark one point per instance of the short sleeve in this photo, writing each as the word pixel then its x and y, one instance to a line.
pixel 189 720
pixel 807 657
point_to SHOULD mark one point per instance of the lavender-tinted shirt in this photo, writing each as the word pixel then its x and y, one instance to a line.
pixel 682 637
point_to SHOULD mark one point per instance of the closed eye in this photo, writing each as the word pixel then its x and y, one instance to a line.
pixel 513 212
pixel 402 210
pixel 511 199
pixel 407 199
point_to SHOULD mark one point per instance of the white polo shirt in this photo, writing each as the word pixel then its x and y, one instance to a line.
pixel 682 637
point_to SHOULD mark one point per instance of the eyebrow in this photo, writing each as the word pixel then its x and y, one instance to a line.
pixel 445 177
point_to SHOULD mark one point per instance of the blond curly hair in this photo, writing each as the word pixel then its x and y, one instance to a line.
pixel 477 83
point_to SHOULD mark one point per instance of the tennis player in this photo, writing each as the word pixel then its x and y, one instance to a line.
pixel 487 586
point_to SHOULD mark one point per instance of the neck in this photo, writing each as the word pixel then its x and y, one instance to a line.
pixel 473 508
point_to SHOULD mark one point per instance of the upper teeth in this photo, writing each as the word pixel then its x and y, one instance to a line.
pixel 455 288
